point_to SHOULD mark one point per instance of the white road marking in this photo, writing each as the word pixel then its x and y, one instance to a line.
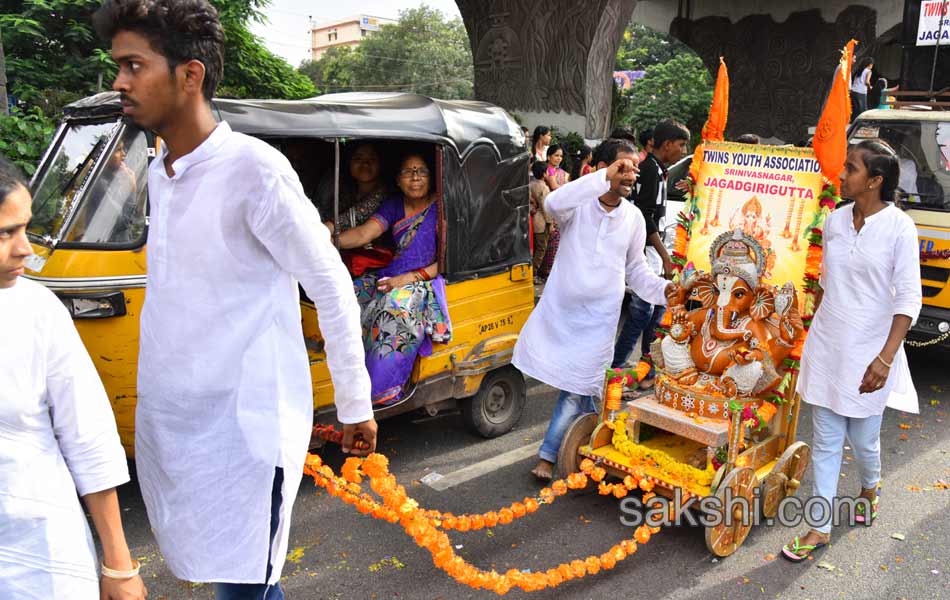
pixel 486 466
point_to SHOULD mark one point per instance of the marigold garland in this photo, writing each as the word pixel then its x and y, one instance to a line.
pixel 686 476
pixel 425 526
pixel 934 255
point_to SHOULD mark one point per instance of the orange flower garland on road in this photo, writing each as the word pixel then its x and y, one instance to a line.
pixel 425 526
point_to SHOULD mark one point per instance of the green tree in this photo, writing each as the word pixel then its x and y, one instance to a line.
pixel 54 56
pixel 680 88
pixel 642 47
pixel 333 72
pixel 422 52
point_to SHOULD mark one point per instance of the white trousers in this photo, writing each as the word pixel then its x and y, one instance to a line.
pixel 829 432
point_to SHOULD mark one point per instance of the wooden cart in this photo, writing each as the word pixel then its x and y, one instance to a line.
pixel 772 462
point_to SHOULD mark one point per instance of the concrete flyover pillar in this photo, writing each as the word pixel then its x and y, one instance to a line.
pixel 551 61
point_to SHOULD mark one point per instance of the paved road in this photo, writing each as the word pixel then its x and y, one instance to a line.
pixel 337 553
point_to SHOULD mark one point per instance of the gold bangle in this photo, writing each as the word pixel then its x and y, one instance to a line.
pixel 884 362
pixel 113 574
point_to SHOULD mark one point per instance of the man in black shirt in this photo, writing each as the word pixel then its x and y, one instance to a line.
pixel 670 140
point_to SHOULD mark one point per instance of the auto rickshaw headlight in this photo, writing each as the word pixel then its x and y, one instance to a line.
pixel 94 305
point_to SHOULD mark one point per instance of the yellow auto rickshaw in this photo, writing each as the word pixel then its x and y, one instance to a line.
pixel 91 217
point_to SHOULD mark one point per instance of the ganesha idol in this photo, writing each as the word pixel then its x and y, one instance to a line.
pixel 733 345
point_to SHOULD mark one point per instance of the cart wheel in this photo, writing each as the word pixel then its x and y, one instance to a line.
pixel 726 537
pixel 498 405
pixel 785 478
pixel 577 435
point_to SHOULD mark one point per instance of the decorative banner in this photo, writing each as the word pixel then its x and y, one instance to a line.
pixel 929 30
pixel 771 193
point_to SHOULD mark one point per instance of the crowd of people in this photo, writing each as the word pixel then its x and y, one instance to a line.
pixel 220 441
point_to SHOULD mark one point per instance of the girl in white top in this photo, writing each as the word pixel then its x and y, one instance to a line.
pixel 540 142
pixel 57 438
pixel 859 89
pixel 853 362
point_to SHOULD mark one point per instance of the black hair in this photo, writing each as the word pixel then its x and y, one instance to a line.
pixel 608 150
pixel 880 160
pixel 554 148
pixel 669 130
pixel 646 136
pixel 538 132
pixel 179 30
pixel 623 133
pixel 748 138
pixel 11 177
pixel 581 153
pixel 538 169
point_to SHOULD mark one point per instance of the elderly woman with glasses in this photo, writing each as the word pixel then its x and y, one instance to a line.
pixel 403 304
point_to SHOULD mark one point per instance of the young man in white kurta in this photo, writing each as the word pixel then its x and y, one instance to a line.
pixel 224 386
pixel 568 340
pixel 225 401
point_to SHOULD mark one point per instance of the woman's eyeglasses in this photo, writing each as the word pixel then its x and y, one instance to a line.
pixel 422 172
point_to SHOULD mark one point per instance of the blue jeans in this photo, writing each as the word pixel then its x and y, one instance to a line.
pixel 569 407
pixel 259 591
pixel 829 431
pixel 642 318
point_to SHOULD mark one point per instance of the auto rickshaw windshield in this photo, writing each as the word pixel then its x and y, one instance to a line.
pixel 65 173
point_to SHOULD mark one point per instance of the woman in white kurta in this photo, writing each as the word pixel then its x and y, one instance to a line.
pixel 569 338
pixel 57 438
pixel 853 362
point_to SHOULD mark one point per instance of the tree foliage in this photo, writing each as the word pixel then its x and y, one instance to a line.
pixel 422 52
pixel 642 47
pixel 680 88
pixel 24 136
pixel 52 54
pixel 54 57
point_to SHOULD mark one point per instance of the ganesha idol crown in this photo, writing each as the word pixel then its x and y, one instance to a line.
pixel 737 254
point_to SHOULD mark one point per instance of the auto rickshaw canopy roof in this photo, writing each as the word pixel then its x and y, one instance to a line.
pixel 484 177
pixel 386 115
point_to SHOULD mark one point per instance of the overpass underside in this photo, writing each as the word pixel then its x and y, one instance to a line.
pixel 551 62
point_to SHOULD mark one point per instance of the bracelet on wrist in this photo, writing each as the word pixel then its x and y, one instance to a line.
pixel 113 574
pixel 884 362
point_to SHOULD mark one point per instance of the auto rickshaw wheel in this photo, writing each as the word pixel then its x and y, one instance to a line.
pixel 498 405
pixel 785 478
pixel 725 538
pixel 578 434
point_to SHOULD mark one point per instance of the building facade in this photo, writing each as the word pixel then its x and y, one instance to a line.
pixel 343 32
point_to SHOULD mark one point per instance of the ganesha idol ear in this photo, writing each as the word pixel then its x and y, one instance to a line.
pixel 703 290
pixel 763 303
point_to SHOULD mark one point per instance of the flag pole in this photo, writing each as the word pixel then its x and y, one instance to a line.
pixel 933 66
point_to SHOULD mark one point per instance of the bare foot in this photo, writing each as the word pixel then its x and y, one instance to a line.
pixel 544 470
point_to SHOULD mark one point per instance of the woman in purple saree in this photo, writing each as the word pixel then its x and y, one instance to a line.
pixel 403 305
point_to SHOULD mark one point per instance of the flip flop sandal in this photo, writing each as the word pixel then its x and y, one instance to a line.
pixel 859 512
pixel 792 551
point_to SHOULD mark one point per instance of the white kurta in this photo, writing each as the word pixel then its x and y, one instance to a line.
pixel 224 387
pixel 868 277
pixel 568 340
pixel 57 438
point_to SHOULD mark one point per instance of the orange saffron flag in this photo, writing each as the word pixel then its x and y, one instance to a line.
pixel 830 143
pixel 715 128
